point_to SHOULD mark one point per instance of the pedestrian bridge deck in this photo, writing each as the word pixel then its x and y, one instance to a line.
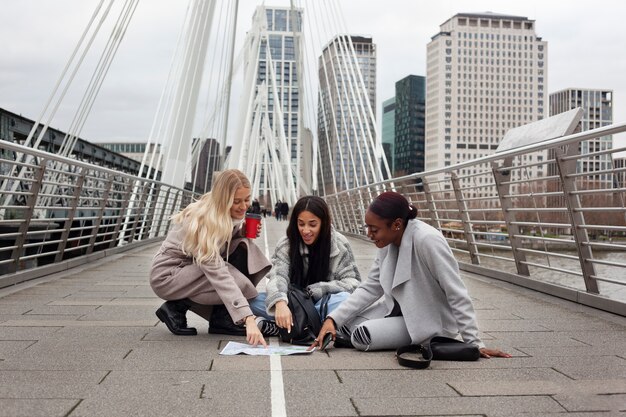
pixel 86 342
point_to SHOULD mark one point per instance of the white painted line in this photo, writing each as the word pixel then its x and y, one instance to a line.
pixel 267 246
pixel 277 388
pixel 276 383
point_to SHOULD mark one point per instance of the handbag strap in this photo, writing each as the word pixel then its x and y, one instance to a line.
pixel 422 363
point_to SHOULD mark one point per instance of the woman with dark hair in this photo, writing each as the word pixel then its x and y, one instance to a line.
pixel 314 257
pixel 414 290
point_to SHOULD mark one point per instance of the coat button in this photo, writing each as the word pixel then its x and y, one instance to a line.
pixel 236 303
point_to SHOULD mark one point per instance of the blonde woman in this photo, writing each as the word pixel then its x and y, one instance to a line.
pixel 206 261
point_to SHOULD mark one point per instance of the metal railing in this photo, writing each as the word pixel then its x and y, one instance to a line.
pixel 529 215
pixel 541 215
pixel 55 209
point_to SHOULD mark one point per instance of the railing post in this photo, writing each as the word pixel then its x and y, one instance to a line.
pixel 105 199
pixel 465 219
pixel 359 217
pixel 140 206
pixel 174 204
pixel 122 214
pixel 167 196
pixel 342 207
pixel 504 190
pixel 336 213
pixel 432 207
pixel 67 226
pixel 28 216
pixel 577 217
pixel 155 190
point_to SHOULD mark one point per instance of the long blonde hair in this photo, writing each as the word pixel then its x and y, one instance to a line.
pixel 206 223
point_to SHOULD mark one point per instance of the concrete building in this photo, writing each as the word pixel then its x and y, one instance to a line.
pixel 486 73
pixel 388 135
pixel 133 150
pixel 597 108
pixel 346 130
pixel 409 125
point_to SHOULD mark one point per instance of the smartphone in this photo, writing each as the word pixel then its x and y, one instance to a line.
pixel 327 339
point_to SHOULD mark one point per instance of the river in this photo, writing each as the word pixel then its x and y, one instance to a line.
pixel 610 290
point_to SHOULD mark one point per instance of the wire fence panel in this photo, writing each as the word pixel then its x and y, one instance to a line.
pixel 56 208
pixel 543 211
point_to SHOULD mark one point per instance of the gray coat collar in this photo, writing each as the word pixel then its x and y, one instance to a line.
pixel 398 261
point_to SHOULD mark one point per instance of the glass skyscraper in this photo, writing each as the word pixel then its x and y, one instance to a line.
pixel 409 125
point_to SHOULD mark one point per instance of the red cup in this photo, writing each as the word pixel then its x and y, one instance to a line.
pixel 252 224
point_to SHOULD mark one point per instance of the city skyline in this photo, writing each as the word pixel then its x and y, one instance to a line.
pixel 40 36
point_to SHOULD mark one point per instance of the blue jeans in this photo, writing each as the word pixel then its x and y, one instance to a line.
pixel 257 304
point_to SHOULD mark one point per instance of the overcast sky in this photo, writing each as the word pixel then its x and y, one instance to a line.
pixel 585 50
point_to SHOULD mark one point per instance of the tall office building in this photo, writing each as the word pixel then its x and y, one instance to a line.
pixel 409 125
pixel 279 30
pixel 208 162
pixel 346 134
pixel 486 73
pixel 597 108
pixel 619 181
pixel 388 130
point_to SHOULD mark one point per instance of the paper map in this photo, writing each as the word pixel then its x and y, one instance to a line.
pixel 235 348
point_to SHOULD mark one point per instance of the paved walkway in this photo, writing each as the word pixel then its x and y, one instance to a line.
pixel 87 343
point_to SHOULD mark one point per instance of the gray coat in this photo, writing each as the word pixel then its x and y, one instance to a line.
pixel 343 273
pixel 423 276
pixel 175 276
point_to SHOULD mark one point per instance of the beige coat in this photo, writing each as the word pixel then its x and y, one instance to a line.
pixel 174 275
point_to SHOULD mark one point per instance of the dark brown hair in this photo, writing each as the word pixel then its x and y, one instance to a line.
pixel 391 205
pixel 319 251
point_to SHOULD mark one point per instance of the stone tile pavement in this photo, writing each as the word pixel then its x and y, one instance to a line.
pixel 86 342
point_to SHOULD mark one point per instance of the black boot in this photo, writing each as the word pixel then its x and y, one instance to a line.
pixel 173 314
pixel 342 341
pixel 221 323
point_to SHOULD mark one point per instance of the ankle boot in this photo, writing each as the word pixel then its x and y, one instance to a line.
pixel 173 314
pixel 221 323
pixel 202 310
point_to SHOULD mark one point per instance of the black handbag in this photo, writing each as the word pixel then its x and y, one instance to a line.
pixel 447 349
pixel 306 320
pixel 438 348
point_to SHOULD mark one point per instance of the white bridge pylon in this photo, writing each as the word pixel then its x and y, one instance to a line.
pixel 280 107
pixel 284 166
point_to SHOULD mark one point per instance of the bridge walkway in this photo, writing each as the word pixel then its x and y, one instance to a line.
pixel 86 342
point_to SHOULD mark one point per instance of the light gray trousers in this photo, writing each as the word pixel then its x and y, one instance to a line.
pixel 371 330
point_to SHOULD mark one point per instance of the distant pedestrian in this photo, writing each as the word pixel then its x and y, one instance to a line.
pixel 284 210
pixel 277 209
pixel 255 207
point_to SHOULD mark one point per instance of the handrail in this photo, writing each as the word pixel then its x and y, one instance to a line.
pixel 542 215
pixel 61 208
